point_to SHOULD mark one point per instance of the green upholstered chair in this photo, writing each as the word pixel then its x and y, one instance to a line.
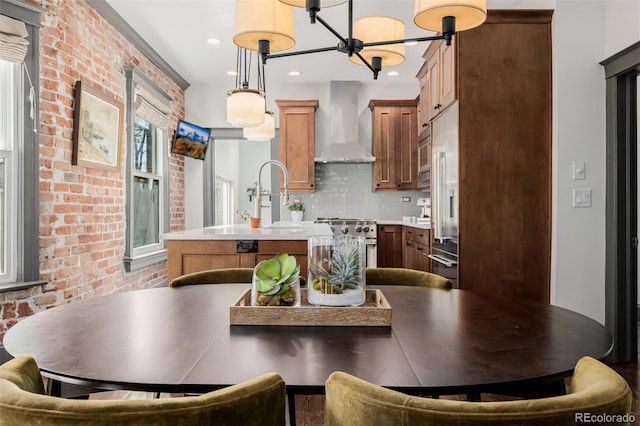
pixel 402 276
pixel 215 276
pixel 259 401
pixel 595 389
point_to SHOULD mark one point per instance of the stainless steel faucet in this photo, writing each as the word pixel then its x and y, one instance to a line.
pixel 285 193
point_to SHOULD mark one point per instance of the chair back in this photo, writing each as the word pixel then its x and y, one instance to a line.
pixel 595 390
pixel 403 276
pixel 215 276
pixel 258 402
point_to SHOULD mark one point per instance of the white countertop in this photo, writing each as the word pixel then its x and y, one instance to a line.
pixel 402 222
pixel 275 231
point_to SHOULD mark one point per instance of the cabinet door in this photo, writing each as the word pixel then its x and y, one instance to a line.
pixel 297 143
pixel 389 246
pixel 422 261
pixel 433 68
pixel 407 148
pixel 384 147
pixel 447 75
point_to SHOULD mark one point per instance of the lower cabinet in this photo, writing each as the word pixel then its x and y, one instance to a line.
pixel 416 248
pixel 402 246
pixel 187 256
pixel 389 246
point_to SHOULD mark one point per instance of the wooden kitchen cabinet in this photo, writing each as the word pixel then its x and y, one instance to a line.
pixel 395 144
pixel 416 248
pixel 187 256
pixel 298 142
pixel 439 78
pixel 504 152
pixel 389 240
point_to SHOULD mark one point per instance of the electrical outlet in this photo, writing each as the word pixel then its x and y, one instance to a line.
pixel 406 199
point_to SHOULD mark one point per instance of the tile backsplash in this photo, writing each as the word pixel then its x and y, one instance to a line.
pixel 346 191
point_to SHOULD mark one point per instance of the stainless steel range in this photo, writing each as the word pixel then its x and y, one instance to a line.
pixel 357 227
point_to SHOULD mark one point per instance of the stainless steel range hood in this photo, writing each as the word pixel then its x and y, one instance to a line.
pixel 344 145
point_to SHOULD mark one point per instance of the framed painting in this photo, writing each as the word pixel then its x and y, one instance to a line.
pixel 97 130
pixel 191 140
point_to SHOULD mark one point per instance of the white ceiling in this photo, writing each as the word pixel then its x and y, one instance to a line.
pixel 178 30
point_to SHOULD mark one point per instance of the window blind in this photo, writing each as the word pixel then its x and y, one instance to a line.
pixel 13 41
pixel 151 109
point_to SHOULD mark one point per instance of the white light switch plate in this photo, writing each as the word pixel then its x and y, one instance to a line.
pixel 581 198
pixel 578 170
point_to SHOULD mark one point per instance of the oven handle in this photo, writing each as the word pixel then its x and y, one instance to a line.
pixel 443 260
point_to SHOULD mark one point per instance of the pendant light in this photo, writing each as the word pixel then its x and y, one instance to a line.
pixel 269 20
pixel 372 29
pixel 468 13
pixel 370 41
pixel 245 106
pixel 264 132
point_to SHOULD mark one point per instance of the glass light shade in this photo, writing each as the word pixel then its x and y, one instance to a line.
pixel 468 13
pixel 264 132
pixel 380 28
pixel 245 107
pixel 323 3
pixel 264 20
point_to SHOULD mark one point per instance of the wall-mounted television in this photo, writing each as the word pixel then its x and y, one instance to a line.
pixel 191 140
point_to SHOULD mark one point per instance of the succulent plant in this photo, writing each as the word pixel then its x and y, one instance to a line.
pixel 273 279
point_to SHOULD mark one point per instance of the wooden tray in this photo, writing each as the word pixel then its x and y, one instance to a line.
pixel 375 311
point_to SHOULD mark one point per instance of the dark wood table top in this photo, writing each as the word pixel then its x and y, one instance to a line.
pixel 180 340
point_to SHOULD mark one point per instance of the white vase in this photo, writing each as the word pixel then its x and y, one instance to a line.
pixel 296 216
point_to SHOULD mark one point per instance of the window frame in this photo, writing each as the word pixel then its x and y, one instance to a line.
pixel 137 258
pixel 28 159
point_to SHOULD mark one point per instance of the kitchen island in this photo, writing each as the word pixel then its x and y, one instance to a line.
pixel 238 246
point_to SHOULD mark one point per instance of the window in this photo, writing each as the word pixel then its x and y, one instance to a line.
pixel 10 139
pixel 147 171
pixel 224 206
pixel 19 158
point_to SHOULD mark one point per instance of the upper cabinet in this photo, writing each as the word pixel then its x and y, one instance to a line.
pixel 437 81
pixel 395 144
pixel 298 142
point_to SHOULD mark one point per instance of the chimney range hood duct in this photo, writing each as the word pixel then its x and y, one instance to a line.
pixel 343 109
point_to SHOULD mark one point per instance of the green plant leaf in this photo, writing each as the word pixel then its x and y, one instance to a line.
pixel 288 266
pixel 273 291
pixel 264 286
pixel 270 268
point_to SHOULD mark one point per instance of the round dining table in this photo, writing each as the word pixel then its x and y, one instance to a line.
pixel 181 340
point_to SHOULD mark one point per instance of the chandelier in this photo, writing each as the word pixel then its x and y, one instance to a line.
pixel 266 26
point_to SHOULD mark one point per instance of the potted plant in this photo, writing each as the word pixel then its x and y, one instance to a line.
pixel 276 282
pixel 336 271
pixel 297 211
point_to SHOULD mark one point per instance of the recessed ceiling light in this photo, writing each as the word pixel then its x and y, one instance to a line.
pixel 232 72
pixel 214 41
pixel 393 73
pixel 410 43
pixel 294 73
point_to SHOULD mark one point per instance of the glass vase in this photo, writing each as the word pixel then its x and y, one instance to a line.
pixel 279 295
pixel 336 271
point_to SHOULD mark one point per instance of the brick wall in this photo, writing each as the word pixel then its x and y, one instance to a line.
pixel 82 210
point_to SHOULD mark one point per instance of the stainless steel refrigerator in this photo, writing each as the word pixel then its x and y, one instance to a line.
pixel 444 194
